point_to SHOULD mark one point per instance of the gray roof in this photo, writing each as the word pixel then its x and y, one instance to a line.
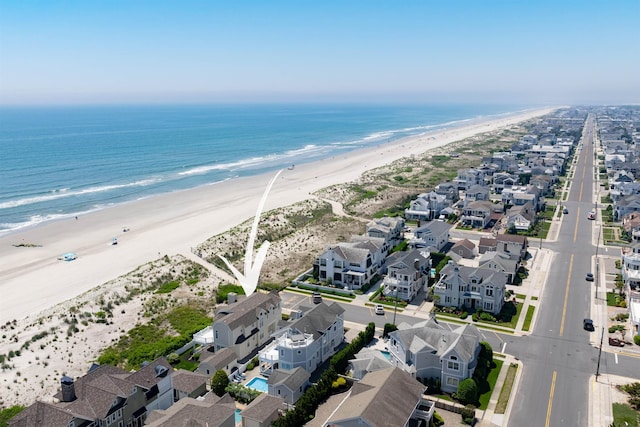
pixel 503 260
pixel 220 358
pixel 404 262
pixel 318 319
pixel 461 274
pixel 262 408
pixel 244 312
pixel 382 398
pixel 211 411
pixel 292 379
pixel 41 414
pixel 188 381
pixel 435 227
pixel 466 243
pixel 352 253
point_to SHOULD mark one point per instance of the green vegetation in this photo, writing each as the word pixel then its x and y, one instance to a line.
pixel 219 383
pixel 534 298
pixel 528 317
pixel 467 391
pixel 505 393
pixel 491 379
pixel 401 247
pixel 521 296
pixel 161 336
pixel 624 416
pixel 167 287
pixel 224 290
pixel 508 316
pixel 8 413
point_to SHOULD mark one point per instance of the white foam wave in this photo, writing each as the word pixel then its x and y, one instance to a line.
pixel 58 194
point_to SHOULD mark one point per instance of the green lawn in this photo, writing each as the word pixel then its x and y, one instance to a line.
pixel 624 415
pixel 491 379
pixel 528 317
pixel 505 393
pixel 515 315
pixel 521 296
pixel 611 299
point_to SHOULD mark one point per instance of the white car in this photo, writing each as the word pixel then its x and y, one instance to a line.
pixel 379 309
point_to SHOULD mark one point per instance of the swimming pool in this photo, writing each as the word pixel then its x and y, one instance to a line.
pixel 238 417
pixel 258 383
pixel 386 354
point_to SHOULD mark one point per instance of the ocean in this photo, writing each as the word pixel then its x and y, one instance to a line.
pixel 66 161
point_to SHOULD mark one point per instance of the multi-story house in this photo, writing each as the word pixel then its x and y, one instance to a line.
pixel 426 206
pixel 406 274
pixel 105 396
pixel 476 193
pixel 388 397
pixel 521 217
pixel 306 342
pixel 246 325
pixel 519 195
pixel 427 350
pixel 631 267
pixel 502 180
pixel 477 214
pixel 433 234
pixel 348 264
pixel 449 190
pixel 288 385
pixel 212 411
pixel 625 205
pixel 391 229
pixel 469 177
pixel 471 288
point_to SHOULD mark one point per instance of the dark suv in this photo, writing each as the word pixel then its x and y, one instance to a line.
pixel 587 324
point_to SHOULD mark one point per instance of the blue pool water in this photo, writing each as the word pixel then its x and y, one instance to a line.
pixel 386 354
pixel 238 417
pixel 259 384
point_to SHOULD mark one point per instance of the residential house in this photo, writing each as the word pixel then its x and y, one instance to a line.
pixel 476 193
pixel 623 176
pixel 406 274
pixel 389 397
pixel 247 325
pixel 288 385
pixel 106 395
pixel 210 362
pixel 368 360
pixel 513 245
pixel 631 267
pixel 464 248
pixel 469 177
pixel 306 342
pixel 625 205
pixel 377 246
pixel 426 206
pixel 188 384
pixel 487 244
pixel 499 261
pixel 521 217
pixel 518 196
pixel 502 180
pixel 347 264
pixel 391 229
pixel 262 412
pixel 427 350
pixel 544 183
pixel 470 288
pixel 208 411
pixel 449 190
pixel 631 225
pixel 433 234
pixel 477 214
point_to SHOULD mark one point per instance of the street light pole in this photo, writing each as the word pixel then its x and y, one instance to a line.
pixel 395 305
pixel 600 353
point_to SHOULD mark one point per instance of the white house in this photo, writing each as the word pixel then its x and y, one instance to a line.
pixel 426 206
pixel 391 229
pixel 432 234
pixel 471 288
pixel 306 342
pixel 288 385
pixel 347 264
pixel 406 274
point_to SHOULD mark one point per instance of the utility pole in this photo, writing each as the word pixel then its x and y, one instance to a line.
pixel 599 354
pixel 395 305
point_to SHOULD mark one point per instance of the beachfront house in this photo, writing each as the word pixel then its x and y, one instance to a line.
pixel 305 342
pixel 427 350
pixel 225 359
pixel 106 395
pixel 432 234
pixel 407 274
pixel 470 288
pixel 189 384
pixel 391 229
pixel 210 410
pixel 388 397
pixel 247 325
pixel 449 190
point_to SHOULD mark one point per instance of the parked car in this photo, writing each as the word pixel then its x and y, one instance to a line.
pixel 589 277
pixel 379 309
pixel 587 324
pixel 316 297
pixel 616 342
pixel 592 215
pixel 565 211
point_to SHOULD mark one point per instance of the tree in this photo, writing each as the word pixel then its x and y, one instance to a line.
pixel 467 391
pixel 219 382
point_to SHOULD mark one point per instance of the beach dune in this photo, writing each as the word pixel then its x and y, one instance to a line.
pixel 33 279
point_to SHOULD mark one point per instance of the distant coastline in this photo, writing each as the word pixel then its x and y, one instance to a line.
pixel 136 163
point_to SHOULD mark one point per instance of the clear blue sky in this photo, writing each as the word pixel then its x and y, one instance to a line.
pixel 543 52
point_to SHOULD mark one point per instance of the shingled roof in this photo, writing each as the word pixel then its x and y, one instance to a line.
pixel 318 319
pixel 244 312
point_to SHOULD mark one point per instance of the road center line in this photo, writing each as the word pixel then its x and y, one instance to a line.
pixel 581 188
pixel 553 388
pixel 575 231
pixel 616 356
pixel 566 296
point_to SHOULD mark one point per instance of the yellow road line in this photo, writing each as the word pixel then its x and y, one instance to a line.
pixel 581 188
pixel 566 296
pixel 553 388
pixel 575 231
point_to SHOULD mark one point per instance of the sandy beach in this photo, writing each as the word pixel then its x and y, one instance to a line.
pixel 32 279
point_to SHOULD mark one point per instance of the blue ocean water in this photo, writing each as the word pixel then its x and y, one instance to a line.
pixel 63 161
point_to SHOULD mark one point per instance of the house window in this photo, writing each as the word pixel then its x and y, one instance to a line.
pixel 453 366
pixel 216 335
pixel 447 300
pixel 452 381
pixel 488 306
pixel 489 292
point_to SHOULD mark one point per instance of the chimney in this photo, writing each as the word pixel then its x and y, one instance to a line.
pixel 416 264
pixel 68 389
pixel 232 297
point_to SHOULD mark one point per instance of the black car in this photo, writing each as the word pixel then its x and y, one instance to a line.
pixel 587 324
pixel 589 277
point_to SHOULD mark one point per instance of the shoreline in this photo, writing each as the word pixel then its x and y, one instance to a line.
pixel 33 280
